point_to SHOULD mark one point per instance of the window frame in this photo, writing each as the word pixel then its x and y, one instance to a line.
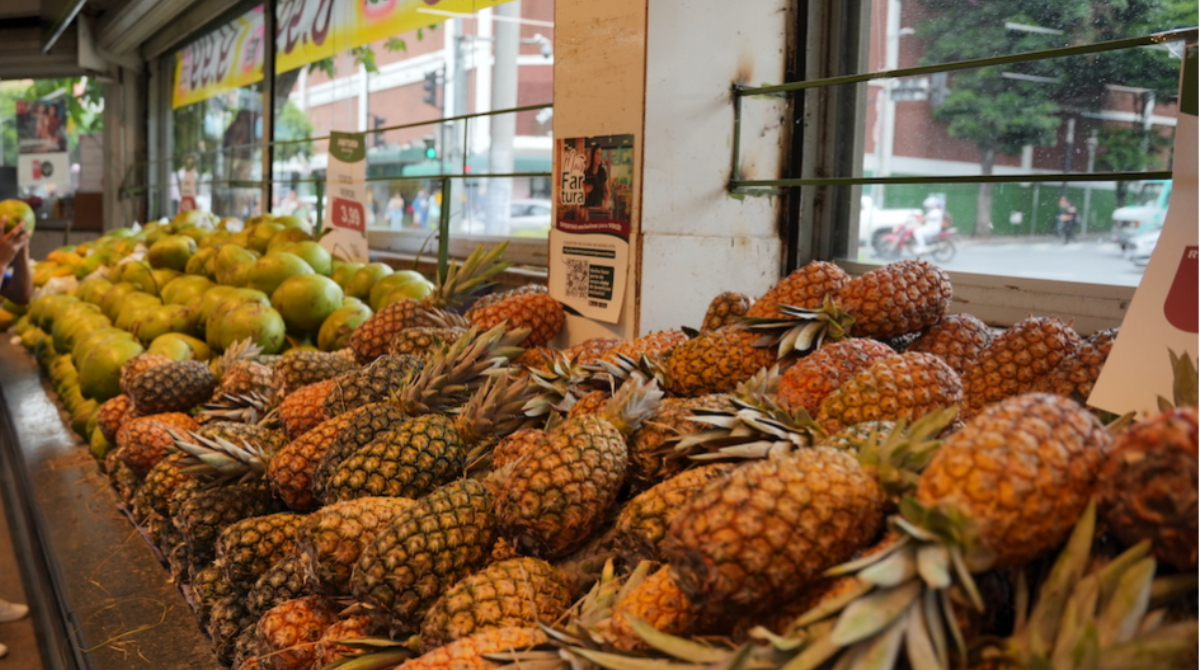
pixel 820 216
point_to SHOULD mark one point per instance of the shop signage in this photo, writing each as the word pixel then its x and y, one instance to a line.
pixel 42 158
pixel 346 220
pixel 306 31
pixel 589 244
pixel 1163 313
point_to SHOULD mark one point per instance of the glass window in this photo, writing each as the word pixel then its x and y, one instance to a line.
pixel 1110 111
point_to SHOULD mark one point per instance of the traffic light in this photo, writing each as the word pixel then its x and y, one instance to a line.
pixel 430 87
pixel 430 148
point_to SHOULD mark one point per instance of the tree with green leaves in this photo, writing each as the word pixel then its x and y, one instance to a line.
pixel 1001 109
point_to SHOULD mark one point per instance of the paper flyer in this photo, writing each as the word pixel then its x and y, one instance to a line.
pixel 589 243
pixel 1163 313
pixel 346 217
pixel 42 144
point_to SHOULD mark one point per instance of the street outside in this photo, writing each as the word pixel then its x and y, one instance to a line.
pixel 1089 260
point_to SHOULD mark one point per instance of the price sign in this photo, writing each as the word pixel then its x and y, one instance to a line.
pixel 348 214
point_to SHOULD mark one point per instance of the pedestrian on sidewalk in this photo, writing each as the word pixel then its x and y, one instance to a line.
pixel 10 612
pixel 1068 216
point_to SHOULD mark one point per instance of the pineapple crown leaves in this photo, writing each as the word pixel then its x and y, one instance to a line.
pixel 372 653
pixel 1082 616
pixel 561 386
pixel 471 275
pixel 452 375
pixel 632 404
pixel 241 350
pixel 219 459
pixel 899 457
pixel 801 330
pixel 1186 384
pixel 241 407
pixel 496 409
pixel 757 427
pixel 609 375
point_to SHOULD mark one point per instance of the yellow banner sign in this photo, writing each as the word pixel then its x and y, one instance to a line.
pixel 307 31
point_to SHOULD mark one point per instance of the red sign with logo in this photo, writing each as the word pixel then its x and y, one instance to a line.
pixel 348 214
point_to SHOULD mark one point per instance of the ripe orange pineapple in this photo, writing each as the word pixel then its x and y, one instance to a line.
pixel 653 345
pixel 531 308
pixel 957 339
pixel 113 414
pixel 652 458
pixel 423 341
pixel 895 299
pixel 901 386
pixel 351 628
pixel 516 445
pixel 805 287
pixel 372 337
pixel 593 402
pixel 1075 376
pixel 468 652
pixel 143 442
pixel 136 366
pixel 591 351
pixel 754 539
pixel 726 309
pixel 716 361
pixel 288 633
pixel 644 520
pixel 332 538
pixel 812 378
pixel 1015 360
pixel 660 602
pixel 304 409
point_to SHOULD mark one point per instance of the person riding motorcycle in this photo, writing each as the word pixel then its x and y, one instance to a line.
pixel 932 225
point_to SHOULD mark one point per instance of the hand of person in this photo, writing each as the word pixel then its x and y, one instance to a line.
pixel 12 243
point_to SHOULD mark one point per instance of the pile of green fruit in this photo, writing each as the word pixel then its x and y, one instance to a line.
pixel 188 289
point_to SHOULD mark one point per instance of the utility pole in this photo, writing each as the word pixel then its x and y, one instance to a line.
pixel 1092 143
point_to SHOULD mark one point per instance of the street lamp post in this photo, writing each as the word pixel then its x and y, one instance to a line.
pixel 1092 143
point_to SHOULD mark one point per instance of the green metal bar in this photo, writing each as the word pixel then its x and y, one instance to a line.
pixel 969 179
pixel 1188 34
pixel 737 136
pixel 254 184
pixel 444 233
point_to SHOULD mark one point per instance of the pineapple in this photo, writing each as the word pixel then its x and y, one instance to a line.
pixel 957 339
pixel 659 601
pixel 491 299
pixel 805 288
pixel 247 548
pixel 651 458
pixel 643 521
pixel 113 414
pixel 902 386
pixel 373 383
pixel 895 299
pixel 468 653
pixel 527 307
pixel 371 339
pixel 1148 481
pixel 516 592
pixel 288 633
pixel 227 619
pixel 143 442
pixel 205 513
pixel 1075 376
pixel 301 368
pixel 209 586
pixel 351 628
pixel 754 539
pixel 238 375
pixel 716 361
pixel 592 402
pixel 424 550
pixel 655 345
pixel 176 386
pixel 726 309
pixel 285 580
pixel 304 408
pixel 516 445
pixel 346 434
pixel 558 493
pixel 423 342
pixel 136 366
pixel 1015 360
pixel 535 358
pixel 812 378
pixel 332 538
pixel 160 483
pixel 590 351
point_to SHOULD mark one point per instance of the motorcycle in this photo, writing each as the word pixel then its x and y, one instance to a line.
pixel 902 238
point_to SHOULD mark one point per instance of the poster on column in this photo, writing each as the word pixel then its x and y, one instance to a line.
pixel 345 234
pixel 42 145
pixel 589 244
pixel 1162 317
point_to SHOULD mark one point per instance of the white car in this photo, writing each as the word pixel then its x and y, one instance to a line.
pixel 874 222
pixel 529 216
pixel 1139 247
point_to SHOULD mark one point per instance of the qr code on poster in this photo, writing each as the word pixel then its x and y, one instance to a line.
pixel 577 278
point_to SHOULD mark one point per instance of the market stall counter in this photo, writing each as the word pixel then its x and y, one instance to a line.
pixel 100 598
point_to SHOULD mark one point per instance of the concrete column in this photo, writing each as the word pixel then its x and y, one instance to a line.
pixel 124 142
pixel 503 126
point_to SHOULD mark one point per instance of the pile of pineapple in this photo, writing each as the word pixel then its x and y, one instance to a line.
pixel 838 474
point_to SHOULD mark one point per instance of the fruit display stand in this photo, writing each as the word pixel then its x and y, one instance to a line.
pixel 99 595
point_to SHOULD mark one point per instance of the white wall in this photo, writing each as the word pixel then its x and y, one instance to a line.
pixel 697 240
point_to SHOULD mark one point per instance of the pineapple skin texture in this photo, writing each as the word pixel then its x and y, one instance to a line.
pixel 756 538
pixel 660 601
pixel 467 653
pixel 1023 470
pixel 143 442
pixel 304 408
pixel 560 492
pixel 332 538
pixel 285 580
pixel 418 456
pixel 515 592
pixel 716 362
pixel 288 633
pixel 1077 374
pixel 898 298
pixel 372 337
pixel 1148 486
pixel 958 339
pixel 648 465
pixel 539 312
pixel 644 520
pixel 812 378
pixel 172 387
pixel 346 434
pixel 903 386
pixel 1015 360
pixel 805 287
pixel 248 548
pixel 426 549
